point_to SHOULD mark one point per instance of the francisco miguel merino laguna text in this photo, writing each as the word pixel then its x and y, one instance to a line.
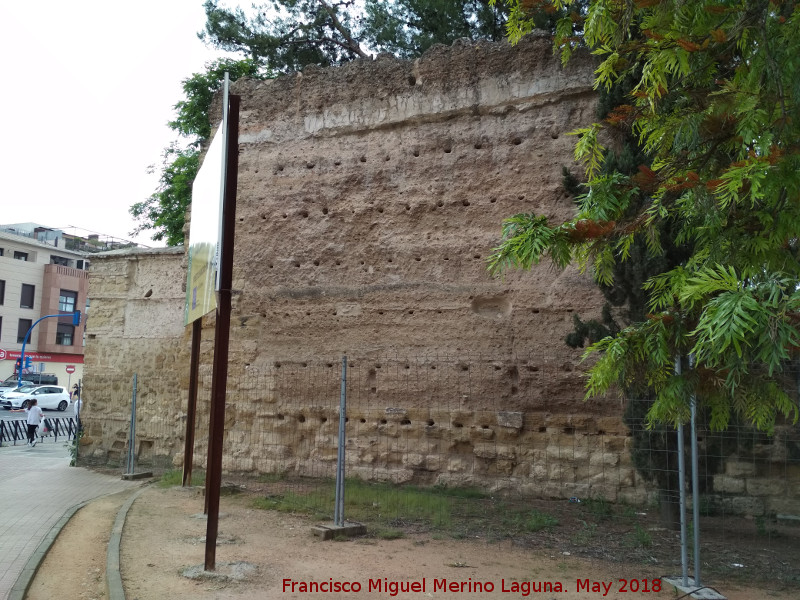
pixel 524 588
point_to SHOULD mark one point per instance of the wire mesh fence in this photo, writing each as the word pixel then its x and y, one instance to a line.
pixel 482 447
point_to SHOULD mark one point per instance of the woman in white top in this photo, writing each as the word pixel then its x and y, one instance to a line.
pixel 34 418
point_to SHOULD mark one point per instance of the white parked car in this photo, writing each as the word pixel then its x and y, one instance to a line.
pixel 48 396
pixel 12 383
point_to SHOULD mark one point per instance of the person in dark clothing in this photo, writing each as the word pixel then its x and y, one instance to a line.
pixel 34 419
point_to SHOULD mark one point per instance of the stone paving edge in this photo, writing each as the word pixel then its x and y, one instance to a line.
pixel 114 589
pixel 23 582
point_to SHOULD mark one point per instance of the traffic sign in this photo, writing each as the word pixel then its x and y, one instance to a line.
pixel 70 369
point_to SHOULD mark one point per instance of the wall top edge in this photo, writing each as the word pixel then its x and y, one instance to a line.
pixel 136 252
pixel 512 71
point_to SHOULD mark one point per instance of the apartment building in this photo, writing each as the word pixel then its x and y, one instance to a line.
pixel 40 277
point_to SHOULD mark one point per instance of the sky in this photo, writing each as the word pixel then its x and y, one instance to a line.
pixel 88 88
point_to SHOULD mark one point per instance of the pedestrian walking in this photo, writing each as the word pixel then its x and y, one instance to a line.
pixel 34 419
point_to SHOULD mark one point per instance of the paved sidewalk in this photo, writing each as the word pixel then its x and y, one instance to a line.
pixel 38 489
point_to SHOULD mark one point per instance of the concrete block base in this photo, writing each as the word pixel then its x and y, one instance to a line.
pixel 703 593
pixel 327 532
pixel 133 476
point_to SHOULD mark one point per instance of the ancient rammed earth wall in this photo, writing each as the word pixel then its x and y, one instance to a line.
pixel 369 198
pixel 371 195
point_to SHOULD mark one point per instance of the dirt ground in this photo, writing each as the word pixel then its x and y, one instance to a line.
pixel 261 553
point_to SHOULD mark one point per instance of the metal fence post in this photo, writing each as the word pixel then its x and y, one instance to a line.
pixel 338 516
pixel 682 491
pixel 695 487
pixel 132 438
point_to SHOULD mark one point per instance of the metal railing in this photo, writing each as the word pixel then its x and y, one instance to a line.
pixel 54 428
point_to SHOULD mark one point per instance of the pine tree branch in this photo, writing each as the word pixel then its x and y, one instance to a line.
pixel 351 44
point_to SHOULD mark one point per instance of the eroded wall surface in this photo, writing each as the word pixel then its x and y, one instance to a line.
pixel 369 198
pixel 371 195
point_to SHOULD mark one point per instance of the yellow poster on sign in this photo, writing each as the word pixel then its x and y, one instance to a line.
pixel 204 232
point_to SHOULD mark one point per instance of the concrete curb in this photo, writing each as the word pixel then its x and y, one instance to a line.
pixel 23 582
pixel 114 589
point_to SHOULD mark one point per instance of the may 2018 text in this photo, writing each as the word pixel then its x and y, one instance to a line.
pixel 424 585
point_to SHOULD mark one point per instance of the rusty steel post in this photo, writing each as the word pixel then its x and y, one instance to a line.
pixel 191 409
pixel 219 385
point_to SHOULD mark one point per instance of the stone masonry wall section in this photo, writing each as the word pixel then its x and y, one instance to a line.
pixel 369 198
pixel 371 195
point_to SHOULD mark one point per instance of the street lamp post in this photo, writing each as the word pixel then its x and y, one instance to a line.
pixel 76 320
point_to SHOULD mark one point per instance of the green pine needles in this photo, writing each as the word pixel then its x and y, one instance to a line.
pixel 712 98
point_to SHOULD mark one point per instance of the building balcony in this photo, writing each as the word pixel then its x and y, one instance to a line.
pixel 62 271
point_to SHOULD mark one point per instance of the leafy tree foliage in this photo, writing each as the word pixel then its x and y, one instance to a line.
pixel 286 34
pixel 164 211
pixel 192 120
pixel 407 28
pixel 289 34
pixel 714 105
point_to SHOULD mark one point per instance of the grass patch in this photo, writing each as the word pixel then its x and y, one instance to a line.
pixel 529 521
pixel 174 477
pixel 599 508
pixel 290 502
pixel 586 534
pixel 641 538
pixel 367 502
pixel 536 521
pixel 454 512
pixel 271 477
pixel 390 534
pixel 466 493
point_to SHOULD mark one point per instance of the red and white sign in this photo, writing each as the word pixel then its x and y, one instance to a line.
pixel 38 357
pixel 70 369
